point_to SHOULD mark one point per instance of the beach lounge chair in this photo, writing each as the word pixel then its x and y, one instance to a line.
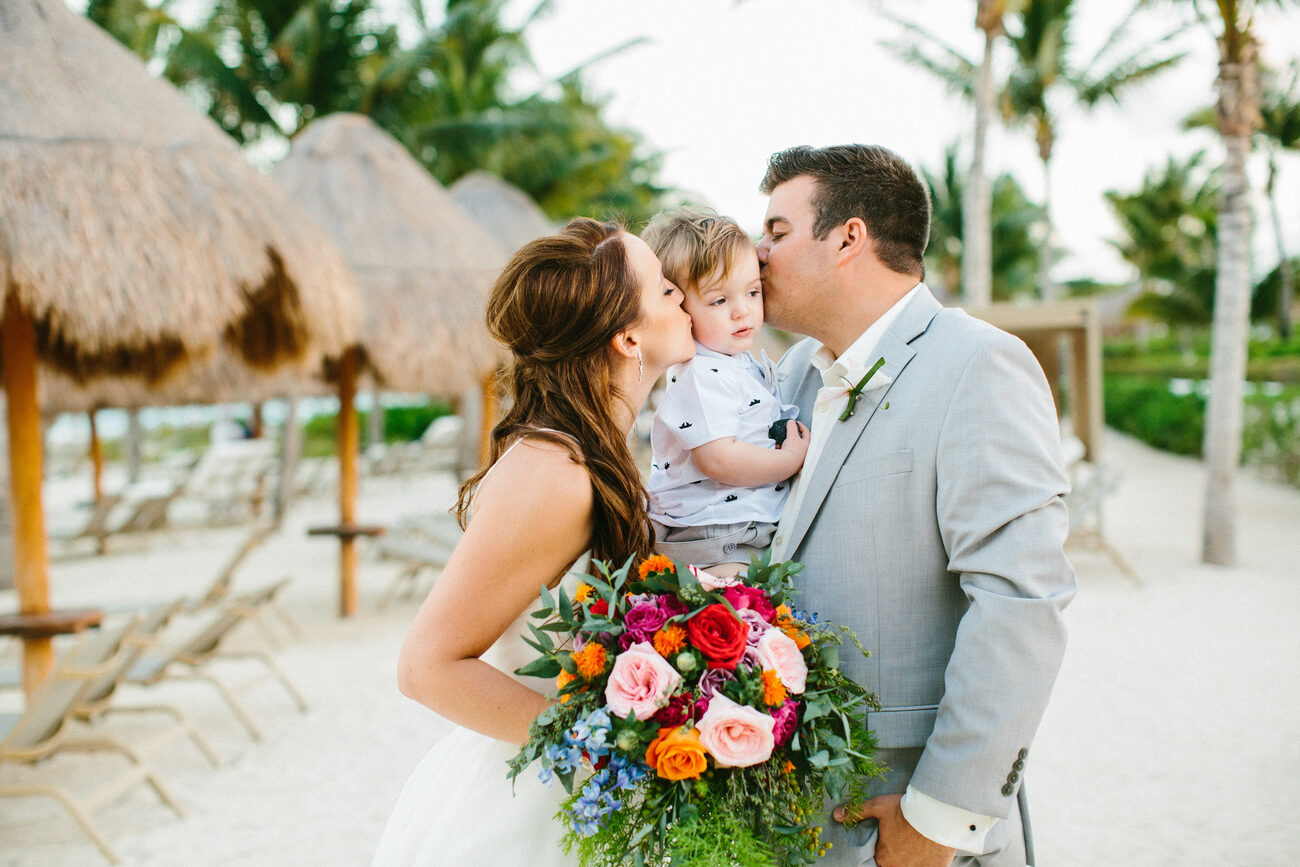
pixel 1090 485
pixel 193 656
pixel 232 479
pixel 219 590
pixel 40 732
pixel 99 699
pixel 422 544
pixel 97 524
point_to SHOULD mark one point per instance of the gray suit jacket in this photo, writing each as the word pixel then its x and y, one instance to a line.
pixel 933 526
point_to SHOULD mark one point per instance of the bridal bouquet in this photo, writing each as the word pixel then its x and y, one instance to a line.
pixel 699 720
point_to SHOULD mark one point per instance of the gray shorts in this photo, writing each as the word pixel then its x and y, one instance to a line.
pixel 712 544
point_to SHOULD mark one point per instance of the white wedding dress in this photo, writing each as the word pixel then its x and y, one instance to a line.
pixel 459 809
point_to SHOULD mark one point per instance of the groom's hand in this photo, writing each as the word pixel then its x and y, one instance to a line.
pixel 898 844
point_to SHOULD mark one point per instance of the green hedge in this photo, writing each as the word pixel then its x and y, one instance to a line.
pixel 1146 409
pixel 401 424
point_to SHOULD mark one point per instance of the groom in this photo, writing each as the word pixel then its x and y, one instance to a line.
pixel 929 511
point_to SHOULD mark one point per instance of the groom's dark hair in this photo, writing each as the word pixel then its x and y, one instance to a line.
pixel 865 181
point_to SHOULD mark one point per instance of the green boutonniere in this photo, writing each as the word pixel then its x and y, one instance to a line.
pixel 856 391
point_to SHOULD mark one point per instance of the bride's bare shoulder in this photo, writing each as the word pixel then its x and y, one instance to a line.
pixel 541 465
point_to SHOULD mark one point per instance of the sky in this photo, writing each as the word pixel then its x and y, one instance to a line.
pixel 720 85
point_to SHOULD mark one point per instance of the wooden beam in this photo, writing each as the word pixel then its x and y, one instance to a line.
pixel 348 447
pixel 31 559
pixel 489 417
pixel 96 458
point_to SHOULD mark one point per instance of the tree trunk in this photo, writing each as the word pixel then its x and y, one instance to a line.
pixel 1286 292
pixel 375 421
pixel 1223 413
pixel 1046 254
pixel 290 452
pixel 1238 116
pixel 134 444
pixel 977 201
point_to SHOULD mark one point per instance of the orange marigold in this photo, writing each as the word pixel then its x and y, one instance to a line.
pixel 582 592
pixel 655 563
pixel 670 639
pixel 562 680
pixel 590 660
pixel 787 767
pixel 801 639
pixel 773 689
pixel 784 615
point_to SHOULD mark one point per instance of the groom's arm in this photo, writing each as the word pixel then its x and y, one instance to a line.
pixel 1003 523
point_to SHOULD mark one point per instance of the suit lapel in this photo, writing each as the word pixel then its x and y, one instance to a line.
pixel 895 347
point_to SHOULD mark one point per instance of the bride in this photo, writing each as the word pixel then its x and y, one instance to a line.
pixel 591 323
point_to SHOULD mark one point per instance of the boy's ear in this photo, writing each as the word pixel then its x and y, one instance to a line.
pixel 853 239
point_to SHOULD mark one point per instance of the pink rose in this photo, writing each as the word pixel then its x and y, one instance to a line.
pixel 736 735
pixel 640 682
pixel 777 651
pixel 709 581
pixel 742 597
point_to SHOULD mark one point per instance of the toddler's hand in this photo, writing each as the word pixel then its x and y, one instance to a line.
pixel 797 437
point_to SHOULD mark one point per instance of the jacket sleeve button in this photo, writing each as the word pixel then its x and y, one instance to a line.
pixel 1008 789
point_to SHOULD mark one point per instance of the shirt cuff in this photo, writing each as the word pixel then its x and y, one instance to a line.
pixel 945 824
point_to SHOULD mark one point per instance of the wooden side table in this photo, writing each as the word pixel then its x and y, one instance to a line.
pixel 347 534
pixel 36 631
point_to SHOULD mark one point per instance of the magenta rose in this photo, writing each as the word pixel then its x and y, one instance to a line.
pixel 644 620
pixel 742 597
pixel 787 720
pixel 679 709
pixel 672 606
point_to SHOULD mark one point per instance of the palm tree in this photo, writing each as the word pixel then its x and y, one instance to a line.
pixel 1014 260
pixel 1169 229
pixel 1042 44
pixel 1280 130
pixel 977 258
pixel 1237 109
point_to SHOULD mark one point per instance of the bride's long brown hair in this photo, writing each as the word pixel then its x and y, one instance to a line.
pixel 557 306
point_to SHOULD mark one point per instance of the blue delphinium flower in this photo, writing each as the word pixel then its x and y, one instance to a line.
pixel 599 797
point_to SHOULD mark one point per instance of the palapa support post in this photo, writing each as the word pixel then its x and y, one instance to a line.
pixel 349 447
pixel 96 458
pixel 31 560
pixel 489 418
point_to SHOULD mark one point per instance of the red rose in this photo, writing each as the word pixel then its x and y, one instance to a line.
pixel 600 608
pixel 720 635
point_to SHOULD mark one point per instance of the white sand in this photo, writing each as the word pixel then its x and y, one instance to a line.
pixel 1171 738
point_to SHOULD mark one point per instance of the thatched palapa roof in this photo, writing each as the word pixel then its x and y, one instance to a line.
pixel 513 218
pixel 423 264
pixel 132 231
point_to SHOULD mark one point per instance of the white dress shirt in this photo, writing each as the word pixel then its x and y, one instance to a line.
pixel 940 822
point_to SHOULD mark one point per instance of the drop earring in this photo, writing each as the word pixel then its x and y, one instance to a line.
pixel 640 368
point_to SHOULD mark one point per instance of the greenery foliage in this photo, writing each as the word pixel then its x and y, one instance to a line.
pixel 264 69
pixel 1015 253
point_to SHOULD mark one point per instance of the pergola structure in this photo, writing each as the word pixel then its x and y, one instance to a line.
pixel 423 266
pixel 134 239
